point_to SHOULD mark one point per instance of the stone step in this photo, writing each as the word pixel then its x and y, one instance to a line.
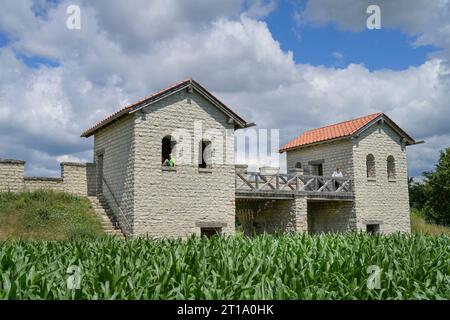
pixel 107 219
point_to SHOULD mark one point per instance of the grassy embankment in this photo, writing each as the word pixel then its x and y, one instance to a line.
pixel 47 215
pixel 420 226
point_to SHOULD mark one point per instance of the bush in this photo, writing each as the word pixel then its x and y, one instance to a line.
pixel 437 191
pixel 416 194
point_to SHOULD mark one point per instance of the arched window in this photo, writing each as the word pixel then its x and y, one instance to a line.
pixel 167 146
pixel 298 165
pixel 370 165
pixel 391 167
pixel 205 154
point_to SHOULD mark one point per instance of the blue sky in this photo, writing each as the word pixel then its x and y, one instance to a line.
pixel 323 45
pixel 4 40
pixel 36 62
pixel 31 61
pixel 326 45
pixel 65 80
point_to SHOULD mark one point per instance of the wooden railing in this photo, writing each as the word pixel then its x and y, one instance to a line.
pixel 256 182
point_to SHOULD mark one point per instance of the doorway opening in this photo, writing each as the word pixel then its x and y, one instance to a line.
pixel 317 169
pixel 372 228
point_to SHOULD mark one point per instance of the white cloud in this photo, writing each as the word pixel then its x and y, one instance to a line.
pixel 125 51
pixel 427 20
pixel 338 55
pixel 70 158
pixel 260 8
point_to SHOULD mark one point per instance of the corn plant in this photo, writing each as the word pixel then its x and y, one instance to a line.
pixel 332 266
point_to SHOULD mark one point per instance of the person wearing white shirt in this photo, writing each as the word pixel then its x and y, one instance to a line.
pixel 337 173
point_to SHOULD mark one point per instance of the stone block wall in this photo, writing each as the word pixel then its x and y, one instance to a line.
pixel 331 216
pixel 115 158
pixel 381 200
pixel 91 173
pixel 43 183
pixel 178 202
pixel 76 178
pixel 335 154
pixel 11 175
pixel 270 216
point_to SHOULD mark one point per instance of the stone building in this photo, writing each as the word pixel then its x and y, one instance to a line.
pixel 371 154
pixel 189 198
pixel 206 193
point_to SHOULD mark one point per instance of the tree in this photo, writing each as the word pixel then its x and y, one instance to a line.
pixel 437 191
pixel 416 194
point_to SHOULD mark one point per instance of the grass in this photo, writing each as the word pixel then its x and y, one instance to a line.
pixel 292 266
pixel 47 215
pixel 420 226
pixel 332 266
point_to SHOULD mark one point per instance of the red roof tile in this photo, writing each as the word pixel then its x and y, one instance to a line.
pixel 334 131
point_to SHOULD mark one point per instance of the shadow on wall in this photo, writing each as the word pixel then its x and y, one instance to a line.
pixel 266 216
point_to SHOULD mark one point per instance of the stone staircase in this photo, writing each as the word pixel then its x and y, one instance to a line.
pixel 109 222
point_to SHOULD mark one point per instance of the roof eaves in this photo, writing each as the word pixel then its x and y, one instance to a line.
pixel 201 90
pixel 344 137
pixel 128 108
pixel 161 95
pixel 224 108
pixel 390 123
pixel 101 124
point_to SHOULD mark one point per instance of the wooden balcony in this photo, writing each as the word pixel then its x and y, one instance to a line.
pixel 255 185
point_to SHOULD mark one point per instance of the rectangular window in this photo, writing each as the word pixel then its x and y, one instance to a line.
pixel 372 228
pixel 210 232
pixel 316 167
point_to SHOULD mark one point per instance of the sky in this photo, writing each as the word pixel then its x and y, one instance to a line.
pixel 289 64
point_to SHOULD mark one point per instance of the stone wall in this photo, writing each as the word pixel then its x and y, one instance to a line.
pixel 335 154
pixel 381 200
pixel 270 216
pixel 115 158
pixel 43 183
pixel 11 175
pixel 76 178
pixel 180 201
pixel 331 216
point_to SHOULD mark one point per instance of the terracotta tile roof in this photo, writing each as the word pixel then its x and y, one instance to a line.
pixel 334 131
pixel 153 97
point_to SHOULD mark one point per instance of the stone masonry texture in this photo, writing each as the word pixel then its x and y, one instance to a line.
pixel 147 199
pixel 380 199
pixel 75 178
pixel 377 200
pixel 175 203
pixel 115 159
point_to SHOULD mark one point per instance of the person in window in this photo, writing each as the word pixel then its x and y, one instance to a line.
pixel 169 162
pixel 337 174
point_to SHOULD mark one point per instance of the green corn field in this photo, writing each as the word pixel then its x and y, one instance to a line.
pixel 334 266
